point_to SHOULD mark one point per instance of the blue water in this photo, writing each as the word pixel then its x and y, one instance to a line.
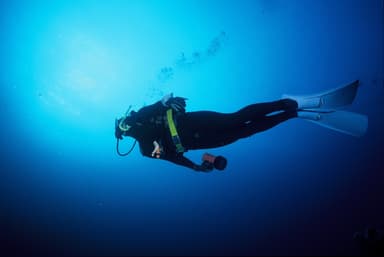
pixel 69 68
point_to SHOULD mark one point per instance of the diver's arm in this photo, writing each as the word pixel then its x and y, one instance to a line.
pixel 177 104
pixel 176 158
pixel 150 111
pixel 157 152
pixel 180 159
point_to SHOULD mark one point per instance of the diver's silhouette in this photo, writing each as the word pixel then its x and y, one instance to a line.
pixel 166 131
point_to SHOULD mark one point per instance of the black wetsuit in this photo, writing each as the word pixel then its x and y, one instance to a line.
pixel 204 129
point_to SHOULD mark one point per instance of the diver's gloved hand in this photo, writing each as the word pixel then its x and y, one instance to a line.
pixel 205 166
pixel 176 103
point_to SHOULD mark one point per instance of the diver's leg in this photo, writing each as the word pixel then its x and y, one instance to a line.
pixel 214 121
pixel 209 139
pixel 265 123
pixel 261 109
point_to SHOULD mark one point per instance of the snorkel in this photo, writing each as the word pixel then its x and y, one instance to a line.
pixel 120 129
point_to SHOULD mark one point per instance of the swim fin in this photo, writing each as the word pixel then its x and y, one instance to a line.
pixel 350 123
pixel 331 99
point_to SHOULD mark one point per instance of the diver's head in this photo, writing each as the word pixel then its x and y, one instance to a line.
pixel 122 127
pixel 124 124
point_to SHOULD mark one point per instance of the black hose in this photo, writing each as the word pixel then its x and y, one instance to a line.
pixel 124 154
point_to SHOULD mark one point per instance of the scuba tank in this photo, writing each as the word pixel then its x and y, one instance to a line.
pixel 219 162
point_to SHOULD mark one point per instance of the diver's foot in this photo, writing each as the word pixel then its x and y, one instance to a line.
pixel 314 116
pixel 309 103
pixel 289 104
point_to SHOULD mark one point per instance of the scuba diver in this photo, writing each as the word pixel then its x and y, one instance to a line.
pixel 166 131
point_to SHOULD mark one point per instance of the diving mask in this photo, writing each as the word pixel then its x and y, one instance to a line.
pixel 121 125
